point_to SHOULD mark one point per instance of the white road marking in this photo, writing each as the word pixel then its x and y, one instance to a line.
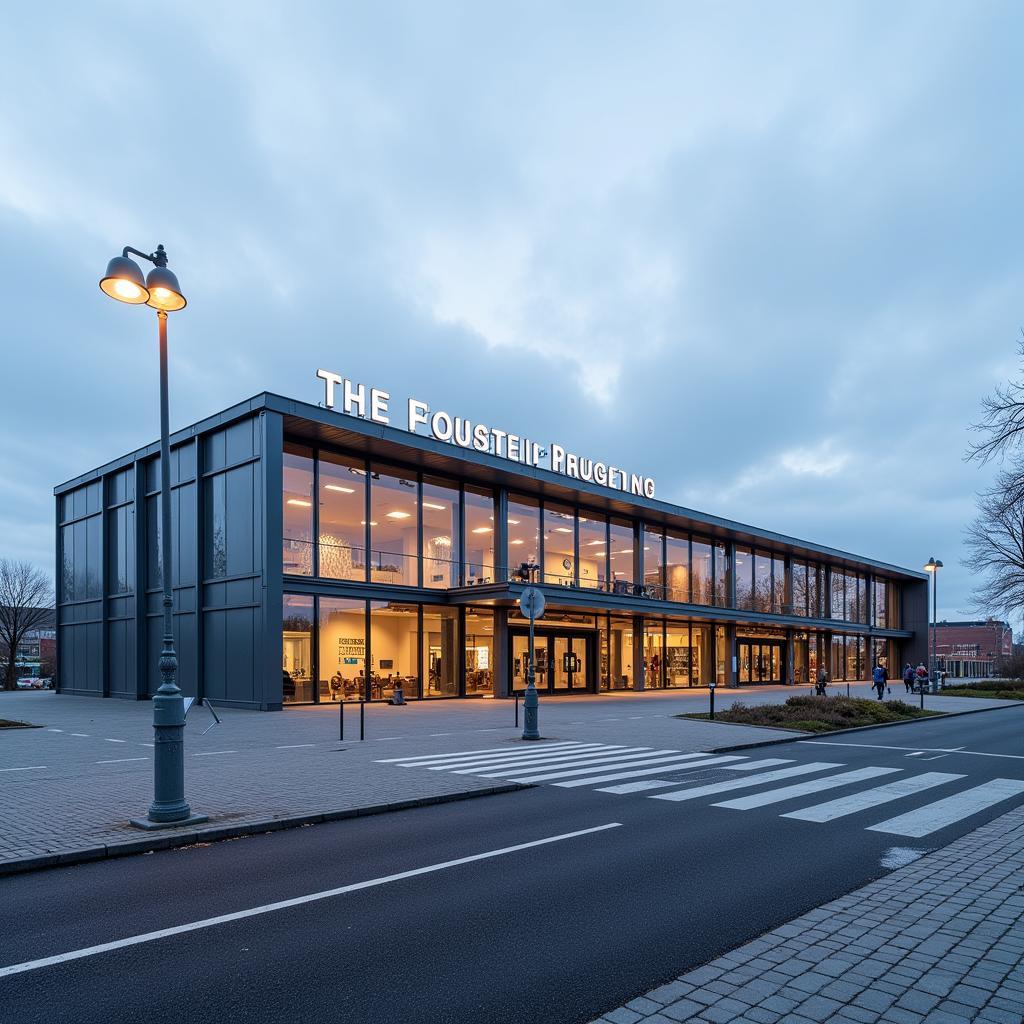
pixel 181 929
pixel 639 772
pixel 293 746
pixel 752 780
pixel 466 753
pixel 930 750
pixel 54 730
pixel 110 740
pixel 525 774
pixel 381 739
pixel 616 760
pixel 83 735
pixel 751 766
pixel 954 808
pixel 442 734
pixel 27 768
pixel 121 760
pixel 515 756
pixel 774 796
pixel 210 753
pixel 639 787
pixel 844 805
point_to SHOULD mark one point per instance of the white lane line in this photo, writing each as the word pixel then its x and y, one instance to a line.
pixel 163 933
pixel 54 730
pixel 660 770
pixel 83 735
pixel 611 760
pixel 210 753
pixel 954 808
pixel 27 768
pixel 571 757
pixel 148 744
pixel 633 763
pixel 109 740
pixel 442 734
pixel 382 739
pixel 293 746
pixel 844 805
pixel 461 753
pixel 639 787
pixel 775 796
pixel 121 760
pixel 752 780
pixel 929 750
pixel 752 766
pixel 512 757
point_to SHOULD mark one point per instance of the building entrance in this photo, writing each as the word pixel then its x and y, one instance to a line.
pixel 761 661
pixel 565 661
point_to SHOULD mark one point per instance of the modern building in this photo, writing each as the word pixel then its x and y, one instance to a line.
pixel 324 555
pixel 972 650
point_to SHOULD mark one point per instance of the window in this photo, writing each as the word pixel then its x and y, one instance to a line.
pixel 394 527
pixel 297 649
pixel 744 579
pixel 677 567
pixel 816 590
pixel 702 570
pixel 838 591
pixel 441 542
pixel 479 544
pixel 479 652
pixel 297 499
pixel 120 550
pixel 342 649
pixel 620 532
pixel 523 532
pixel 559 545
pixel 593 561
pixel 677 654
pixel 394 636
pixel 654 655
pixel 654 567
pixel 800 588
pixel 440 652
pixel 342 518
pixel 721 575
pixel 620 673
pixel 779 602
pixel 762 582
pixel 881 603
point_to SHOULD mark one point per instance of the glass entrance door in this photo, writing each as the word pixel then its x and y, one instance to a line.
pixel 760 661
pixel 564 661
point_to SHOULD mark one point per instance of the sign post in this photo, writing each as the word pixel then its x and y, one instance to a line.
pixel 531 604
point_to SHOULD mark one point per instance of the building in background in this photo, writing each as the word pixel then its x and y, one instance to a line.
pixel 972 650
pixel 319 556
pixel 37 652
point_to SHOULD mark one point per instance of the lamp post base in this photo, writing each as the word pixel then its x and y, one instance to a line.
pixel 152 826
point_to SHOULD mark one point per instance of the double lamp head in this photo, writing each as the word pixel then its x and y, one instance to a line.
pixel 159 288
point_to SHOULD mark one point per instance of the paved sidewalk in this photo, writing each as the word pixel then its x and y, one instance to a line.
pixel 940 941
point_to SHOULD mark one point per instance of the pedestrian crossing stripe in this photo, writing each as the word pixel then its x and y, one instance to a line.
pixel 648 772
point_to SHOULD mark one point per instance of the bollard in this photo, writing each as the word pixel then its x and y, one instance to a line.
pixel 711 693
pixel 922 696
pixel 341 719
pixel 362 717
pixel 530 702
pixel 847 689
pixel 517 710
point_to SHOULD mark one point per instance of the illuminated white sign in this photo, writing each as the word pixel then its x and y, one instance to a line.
pixel 373 404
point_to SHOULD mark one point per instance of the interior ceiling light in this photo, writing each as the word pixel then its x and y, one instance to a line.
pixel 562 529
pixel 513 522
pixel 515 542
pixel 339 488
pixel 362 522
pixel 398 515
pixel 430 504
pixel 482 529
pixel 300 502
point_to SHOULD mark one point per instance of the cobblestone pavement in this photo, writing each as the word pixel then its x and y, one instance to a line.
pixel 940 941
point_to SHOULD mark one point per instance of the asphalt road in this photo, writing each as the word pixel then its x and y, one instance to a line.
pixel 558 932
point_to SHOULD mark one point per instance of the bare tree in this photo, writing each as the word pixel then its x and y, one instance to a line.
pixel 26 603
pixel 995 546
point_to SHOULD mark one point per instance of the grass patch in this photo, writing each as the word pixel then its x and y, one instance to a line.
pixel 10 723
pixel 994 689
pixel 819 714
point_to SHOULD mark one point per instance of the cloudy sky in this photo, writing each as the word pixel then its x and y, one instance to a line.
pixel 770 254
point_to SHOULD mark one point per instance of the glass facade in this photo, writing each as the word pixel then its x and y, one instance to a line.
pixel 342 537
pixel 559 545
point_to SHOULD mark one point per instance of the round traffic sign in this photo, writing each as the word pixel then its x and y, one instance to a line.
pixel 531 603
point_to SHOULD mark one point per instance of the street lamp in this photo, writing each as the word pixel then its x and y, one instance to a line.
pixel 933 566
pixel 160 290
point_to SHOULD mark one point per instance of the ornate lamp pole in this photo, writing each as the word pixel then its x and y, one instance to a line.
pixel 933 566
pixel 160 290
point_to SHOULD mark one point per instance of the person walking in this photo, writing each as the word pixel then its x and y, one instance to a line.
pixel 908 677
pixel 819 687
pixel 921 677
pixel 879 680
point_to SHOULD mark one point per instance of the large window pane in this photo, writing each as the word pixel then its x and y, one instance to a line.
pixel 838 590
pixel 393 527
pixel 800 588
pixel 342 648
pixel 297 649
pixel 701 569
pixel 479 652
pixel 621 655
pixel 342 518
pixel 654 568
pixel 677 655
pixel 762 582
pixel 779 585
pixel 677 567
pixel 621 555
pixel 394 635
pixel 702 655
pixel 440 534
pixel 593 563
pixel 559 545
pixel 523 532
pixel 297 501
pixel 816 591
pixel 722 575
pixel 744 578
pixel 479 544
pixel 440 652
pixel 654 655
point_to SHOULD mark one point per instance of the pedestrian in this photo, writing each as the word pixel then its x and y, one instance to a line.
pixel 819 687
pixel 921 677
pixel 880 679
pixel 908 677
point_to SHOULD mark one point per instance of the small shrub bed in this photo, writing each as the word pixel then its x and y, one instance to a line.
pixel 994 689
pixel 819 714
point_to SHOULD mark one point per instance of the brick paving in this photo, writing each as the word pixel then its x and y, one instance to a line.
pixel 940 941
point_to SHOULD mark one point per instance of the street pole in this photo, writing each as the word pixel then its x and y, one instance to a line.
pixel 935 629
pixel 530 701
pixel 169 806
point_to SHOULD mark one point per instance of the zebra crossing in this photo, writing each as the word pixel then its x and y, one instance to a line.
pixel 660 774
